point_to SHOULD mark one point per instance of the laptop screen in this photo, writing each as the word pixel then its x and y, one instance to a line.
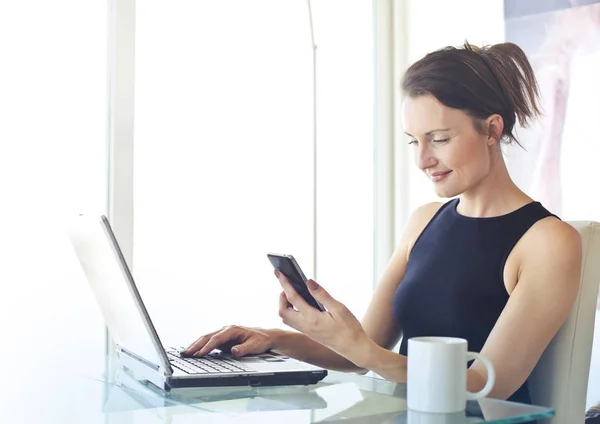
pixel 114 289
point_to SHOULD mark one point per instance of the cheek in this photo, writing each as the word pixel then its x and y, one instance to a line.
pixel 455 157
pixel 414 155
pixel 467 157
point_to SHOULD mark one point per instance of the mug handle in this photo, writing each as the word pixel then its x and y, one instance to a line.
pixel 491 376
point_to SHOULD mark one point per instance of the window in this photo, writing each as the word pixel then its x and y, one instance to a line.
pixel 224 157
pixel 52 166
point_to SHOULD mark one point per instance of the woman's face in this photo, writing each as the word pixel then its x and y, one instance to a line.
pixel 446 145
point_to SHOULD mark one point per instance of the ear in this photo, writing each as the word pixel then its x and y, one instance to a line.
pixel 495 126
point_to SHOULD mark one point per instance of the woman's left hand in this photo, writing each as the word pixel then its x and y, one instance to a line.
pixel 337 328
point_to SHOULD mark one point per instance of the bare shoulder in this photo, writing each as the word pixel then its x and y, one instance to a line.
pixel 553 236
pixel 417 223
pixel 423 214
pixel 553 245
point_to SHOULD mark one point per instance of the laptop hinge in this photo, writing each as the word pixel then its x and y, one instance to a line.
pixel 139 358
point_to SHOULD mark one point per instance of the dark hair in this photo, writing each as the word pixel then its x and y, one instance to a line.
pixel 479 81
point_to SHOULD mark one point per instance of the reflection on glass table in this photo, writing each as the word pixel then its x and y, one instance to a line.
pixel 339 397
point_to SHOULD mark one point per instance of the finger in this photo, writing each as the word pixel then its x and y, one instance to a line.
pixel 283 302
pixel 287 313
pixel 222 337
pixel 292 295
pixel 198 344
pixel 320 294
pixel 286 309
pixel 249 347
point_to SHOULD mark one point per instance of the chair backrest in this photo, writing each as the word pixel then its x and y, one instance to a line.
pixel 560 378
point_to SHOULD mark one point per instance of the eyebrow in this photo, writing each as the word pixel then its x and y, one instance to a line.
pixel 428 133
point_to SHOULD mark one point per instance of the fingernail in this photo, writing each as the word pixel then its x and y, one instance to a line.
pixel 277 273
pixel 312 284
pixel 235 350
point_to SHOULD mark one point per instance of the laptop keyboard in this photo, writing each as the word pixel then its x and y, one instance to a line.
pixel 207 364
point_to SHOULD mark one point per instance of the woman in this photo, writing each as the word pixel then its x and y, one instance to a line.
pixel 491 266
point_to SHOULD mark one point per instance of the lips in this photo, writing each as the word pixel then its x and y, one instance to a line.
pixel 439 176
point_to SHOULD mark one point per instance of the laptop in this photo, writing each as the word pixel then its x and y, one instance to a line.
pixel 138 345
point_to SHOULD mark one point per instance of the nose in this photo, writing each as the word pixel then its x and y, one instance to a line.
pixel 424 157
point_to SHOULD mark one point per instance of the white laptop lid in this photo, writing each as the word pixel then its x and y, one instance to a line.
pixel 114 289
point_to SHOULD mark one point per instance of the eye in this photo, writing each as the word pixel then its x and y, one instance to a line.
pixel 413 142
pixel 442 140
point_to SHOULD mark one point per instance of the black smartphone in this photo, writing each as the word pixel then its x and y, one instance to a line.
pixel 287 265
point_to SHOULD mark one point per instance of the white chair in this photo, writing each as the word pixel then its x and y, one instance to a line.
pixel 560 378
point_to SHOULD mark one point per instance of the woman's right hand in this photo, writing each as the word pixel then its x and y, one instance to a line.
pixel 239 340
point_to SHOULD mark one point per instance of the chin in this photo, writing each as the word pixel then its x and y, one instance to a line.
pixel 447 193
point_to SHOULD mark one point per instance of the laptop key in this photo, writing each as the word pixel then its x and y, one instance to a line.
pixel 211 368
pixel 209 364
pixel 188 370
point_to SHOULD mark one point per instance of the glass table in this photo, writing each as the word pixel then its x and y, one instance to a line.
pixel 340 397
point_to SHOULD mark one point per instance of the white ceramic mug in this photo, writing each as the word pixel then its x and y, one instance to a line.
pixel 437 374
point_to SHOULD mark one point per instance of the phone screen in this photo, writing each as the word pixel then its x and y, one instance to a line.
pixel 287 265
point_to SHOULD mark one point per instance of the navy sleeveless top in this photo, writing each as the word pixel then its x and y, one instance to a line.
pixel 454 282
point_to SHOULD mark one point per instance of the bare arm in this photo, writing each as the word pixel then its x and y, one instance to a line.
pixel 378 322
pixel 548 283
pixel 299 346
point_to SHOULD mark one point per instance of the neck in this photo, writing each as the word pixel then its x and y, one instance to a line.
pixel 495 195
